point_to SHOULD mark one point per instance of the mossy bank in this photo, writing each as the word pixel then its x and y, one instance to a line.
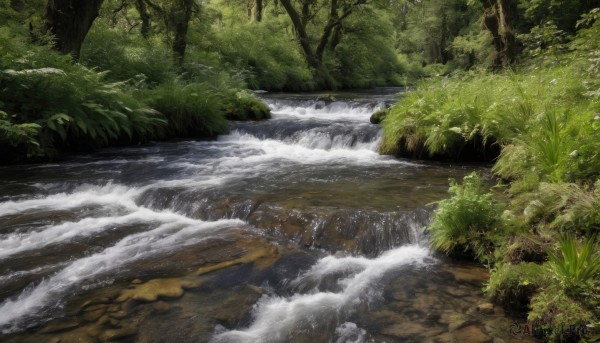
pixel 537 228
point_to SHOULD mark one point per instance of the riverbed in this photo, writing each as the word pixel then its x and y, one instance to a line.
pixel 293 229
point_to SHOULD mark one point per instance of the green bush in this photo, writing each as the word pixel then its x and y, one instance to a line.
pixel 17 140
pixel 270 58
pixel 566 206
pixel 366 57
pixel 52 102
pixel 192 109
pixel 124 56
pixel 542 122
pixel 467 223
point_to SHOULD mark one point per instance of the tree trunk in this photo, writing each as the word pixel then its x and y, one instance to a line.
pixel 69 21
pixel 497 18
pixel 140 5
pixel 258 9
pixel 182 13
pixel 336 37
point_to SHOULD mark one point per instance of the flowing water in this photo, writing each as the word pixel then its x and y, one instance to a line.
pixel 292 229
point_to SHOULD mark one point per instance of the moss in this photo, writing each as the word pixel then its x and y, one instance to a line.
pixel 561 316
pixel 513 285
pixel 246 106
pixel 379 116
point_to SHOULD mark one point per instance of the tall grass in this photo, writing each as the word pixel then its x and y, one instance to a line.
pixel 541 122
pixel 191 109
pixel 575 267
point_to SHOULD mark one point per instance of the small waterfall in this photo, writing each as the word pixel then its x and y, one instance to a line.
pixel 311 178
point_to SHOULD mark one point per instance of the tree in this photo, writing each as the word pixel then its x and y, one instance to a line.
pixel 338 11
pixel 181 13
pixel 258 9
pixel 69 22
pixel 498 18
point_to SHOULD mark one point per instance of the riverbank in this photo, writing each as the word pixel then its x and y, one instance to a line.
pixel 536 229
pixel 52 104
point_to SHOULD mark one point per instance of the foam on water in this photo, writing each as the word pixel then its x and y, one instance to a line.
pixel 339 111
pixel 64 232
pixel 349 333
pixel 276 318
pixel 111 195
pixel 174 231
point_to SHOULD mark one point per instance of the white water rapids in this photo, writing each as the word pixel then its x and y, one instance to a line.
pixel 71 226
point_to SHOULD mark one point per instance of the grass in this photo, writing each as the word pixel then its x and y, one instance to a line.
pixel 575 267
pixel 545 125
pixel 191 109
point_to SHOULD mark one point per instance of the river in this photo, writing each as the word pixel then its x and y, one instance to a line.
pixel 288 230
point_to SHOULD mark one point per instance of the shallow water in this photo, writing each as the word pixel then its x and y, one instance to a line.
pixel 292 229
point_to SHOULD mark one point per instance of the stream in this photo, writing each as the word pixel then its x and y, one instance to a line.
pixel 288 230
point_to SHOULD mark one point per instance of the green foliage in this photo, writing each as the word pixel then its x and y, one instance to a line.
pixel 566 206
pixel 55 103
pixel 543 121
pixel 513 285
pixel 125 56
pixel 246 106
pixel 444 116
pixel 192 109
pixel 565 12
pixel 468 222
pixel 557 312
pixel 18 139
pixel 575 268
pixel 270 57
pixel 365 56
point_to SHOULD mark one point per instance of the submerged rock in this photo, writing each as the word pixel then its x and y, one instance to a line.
pixel 153 289
pixel 471 334
pixel 379 116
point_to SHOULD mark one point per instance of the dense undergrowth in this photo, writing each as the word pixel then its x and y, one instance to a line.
pixel 537 230
pixel 119 94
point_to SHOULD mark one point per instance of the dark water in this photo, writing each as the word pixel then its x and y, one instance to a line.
pixel 293 229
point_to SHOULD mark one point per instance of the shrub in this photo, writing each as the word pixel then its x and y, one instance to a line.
pixel 125 56
pixel 270 59
pixel 561 206
pixel 57 104
pixel 18 140
pixel 468 222
pixel 557 313
pixel 192 109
